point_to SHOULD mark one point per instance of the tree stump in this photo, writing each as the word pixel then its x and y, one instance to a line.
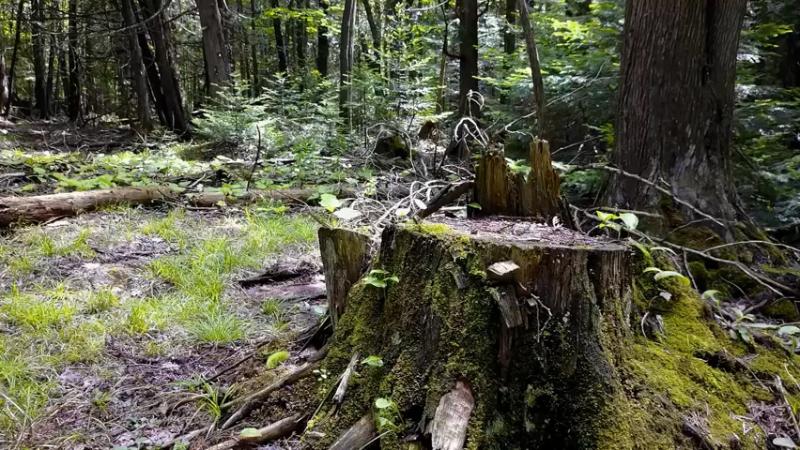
pixel 345 255
pixel 503 193
pixel 537 348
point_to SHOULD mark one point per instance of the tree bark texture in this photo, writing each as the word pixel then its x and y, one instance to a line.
pixel 137 67
pixel 39 44
pixel 323 46
pixel 254 11
pixel 280 45
pixel 441 334
pixel 74 88
pixel 214 47
pixel 345 255
pixel 346 50
pixel 17 34
pixel 468 57
pixel 675 106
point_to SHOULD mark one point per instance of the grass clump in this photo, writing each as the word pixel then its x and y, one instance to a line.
pixel 218 328
pixel 271 307
pixel 101 301
pixel 276 359
pixel 36 314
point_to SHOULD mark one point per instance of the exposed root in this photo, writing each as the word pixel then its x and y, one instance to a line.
pixel 268 433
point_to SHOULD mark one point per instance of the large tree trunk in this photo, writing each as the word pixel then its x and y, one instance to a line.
pixel 74 88
pixel 137 67
pixel 39 44
pixel 17 34
pixel 535 352
pixel 323 46
pixel 346 50
pixel 468 57
pixel 675 108
pixel 536 70
pixel 214 48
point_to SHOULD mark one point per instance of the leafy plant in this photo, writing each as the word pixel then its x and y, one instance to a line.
pixel 276 359
pixel 631 221
pixel 388 414
pixel 372 361
pixel 379 279
pixel 665 274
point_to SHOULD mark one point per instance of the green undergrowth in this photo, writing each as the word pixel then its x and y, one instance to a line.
pixel 54 315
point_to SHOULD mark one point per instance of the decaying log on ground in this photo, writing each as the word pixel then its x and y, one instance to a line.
pixel 357 436
pixel 345 255
pixel 277 430
pixel 500 192
pixel 291 196
pixel 558 385
pixel 41 208
pixel 449 426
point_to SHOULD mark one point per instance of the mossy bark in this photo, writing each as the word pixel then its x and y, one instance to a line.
pixel 557 385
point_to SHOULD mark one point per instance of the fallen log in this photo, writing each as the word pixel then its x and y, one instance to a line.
pixel 26 210
pixel 273 431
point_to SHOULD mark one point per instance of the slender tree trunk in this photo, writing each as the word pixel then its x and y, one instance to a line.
pixel 63 73
pixel 74 89
pixel 536 70
pixel 509 36
pixel 17 34
pixel 283 66
pixel 39 64
pixel 214 47
pixel 137 67
pixel 244 48
pixel 375 34
pixel 675 111
pixel 254 11
pixel 468 61
pixel 346 51
pixel 323 46
pixel 170 86
pixel 153 78
pixel 51 76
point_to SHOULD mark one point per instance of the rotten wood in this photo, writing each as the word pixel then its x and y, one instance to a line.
pixel 450 423
pixel 345 255
pixel 271 432
pixel 357 436
pixel 500 192
pixel 502 272
pixel 444 197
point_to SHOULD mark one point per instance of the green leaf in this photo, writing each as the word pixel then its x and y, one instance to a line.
pixel 630 220
pixel 612 225
pixel 641 247
pixel 373 361
pixel 788 329
pixel 761 326
pixel 393 278
pixel 605 217
pixel 250 433
pixel 784 442
pixel 670 274
pixel 745 335
pixel 378 272
pixel 652 269
pixel 383 403
pixel 276 359
pixel 710 294
pixel 474 206
pixel 329 202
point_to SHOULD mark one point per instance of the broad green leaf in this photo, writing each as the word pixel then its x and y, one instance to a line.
pixel 474 206
pixel 377 272
pixel 630 220
pixel 641 247
pixel 670 274
pixel 383 403
pixel 329 202
pixel 789 329
pixel 250 433
pixel 709 294
pixel 652 269
pixel 745 335
pixel 393 278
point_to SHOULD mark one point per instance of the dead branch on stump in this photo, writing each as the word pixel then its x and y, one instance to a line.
pixel 338 397
pixel 357 436
pixel 273 431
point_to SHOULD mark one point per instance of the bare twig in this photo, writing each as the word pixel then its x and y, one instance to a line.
pixel 774 244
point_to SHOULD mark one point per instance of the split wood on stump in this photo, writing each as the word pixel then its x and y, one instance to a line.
pixel 345 255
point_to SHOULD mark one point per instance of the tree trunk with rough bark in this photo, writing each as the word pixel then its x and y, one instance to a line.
pixel 74 88
pixel 323 46
pixel 17 34
pixel 675 109
pixel 39 44
pixel 214 46
pixel 280 46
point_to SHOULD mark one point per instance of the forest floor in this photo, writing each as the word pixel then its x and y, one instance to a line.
pixel 110 322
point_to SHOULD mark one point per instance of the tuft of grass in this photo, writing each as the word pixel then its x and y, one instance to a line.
pixel 271 307
pixel 47 246
pixel 101 301
pixel 147 315
pixel 214 399
pixel 167 228
pixel 218 328
pixel 276 359
pixel 36 315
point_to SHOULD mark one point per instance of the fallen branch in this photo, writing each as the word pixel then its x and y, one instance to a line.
pixel 445 196
pixel 774 244
pixel 239 362
pixel 338 397
pixel 188 437
pixel 268 433
pixel 251 401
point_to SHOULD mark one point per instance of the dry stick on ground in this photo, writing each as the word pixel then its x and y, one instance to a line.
pixel 338 397
pixel 188 437
pixel 770 284
pixel 654 186
pixel 445 196
pixel 271 432
pixel 782 392
pixel 239 362
pixel 251 401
